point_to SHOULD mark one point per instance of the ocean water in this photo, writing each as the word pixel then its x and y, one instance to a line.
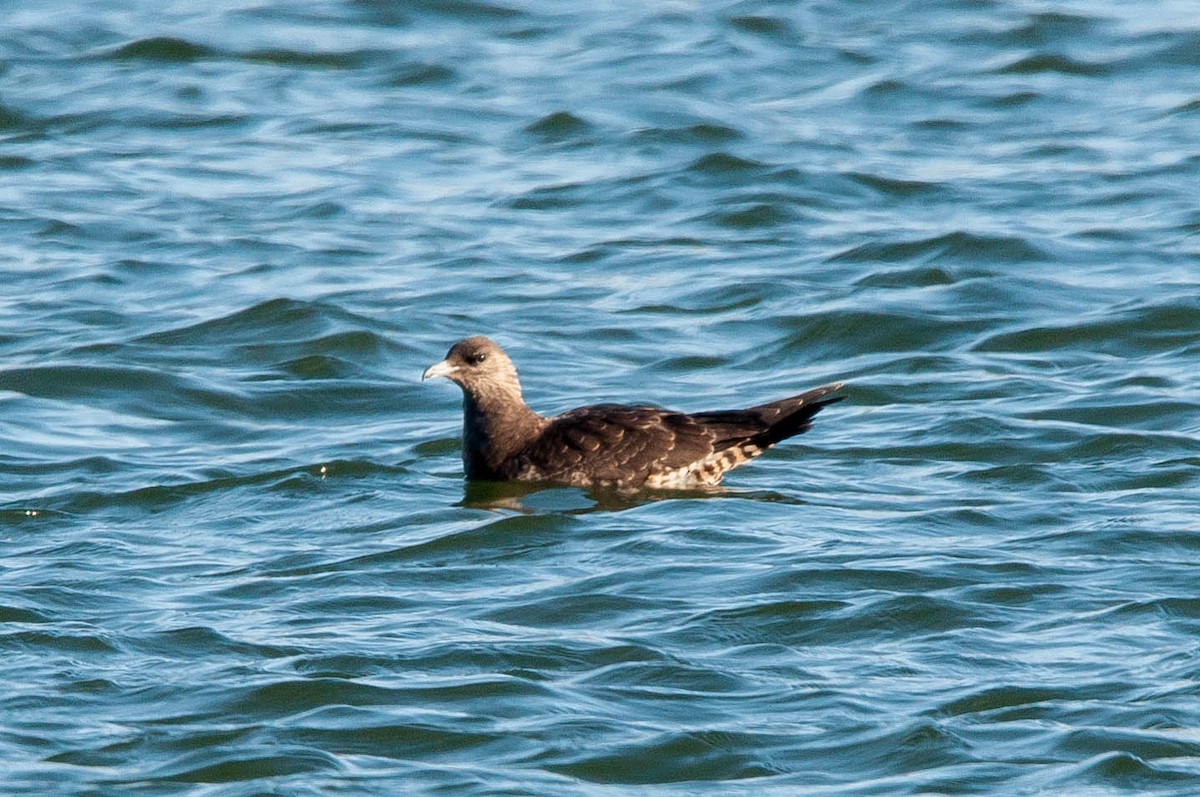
pixel 238 554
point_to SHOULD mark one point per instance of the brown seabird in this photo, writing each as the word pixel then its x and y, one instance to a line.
pixel 606 445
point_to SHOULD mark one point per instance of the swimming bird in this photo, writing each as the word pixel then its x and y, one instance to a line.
pixel 606 445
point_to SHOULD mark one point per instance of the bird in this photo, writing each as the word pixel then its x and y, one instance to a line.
pixel 628 447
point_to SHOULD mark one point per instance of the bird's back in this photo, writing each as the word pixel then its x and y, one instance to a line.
pixel 636 446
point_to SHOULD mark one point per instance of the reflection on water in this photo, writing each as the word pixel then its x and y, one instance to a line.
pixel 539 498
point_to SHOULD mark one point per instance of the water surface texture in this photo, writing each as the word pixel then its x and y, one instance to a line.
pixel 238 557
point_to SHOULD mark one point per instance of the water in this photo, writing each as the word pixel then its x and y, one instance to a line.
pixel 238 554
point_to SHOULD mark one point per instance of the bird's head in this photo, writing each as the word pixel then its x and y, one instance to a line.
pixel 479 367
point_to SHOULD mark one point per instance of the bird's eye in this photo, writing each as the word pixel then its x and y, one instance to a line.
pixel 476 358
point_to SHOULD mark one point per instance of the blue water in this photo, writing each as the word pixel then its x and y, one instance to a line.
pixel 238 555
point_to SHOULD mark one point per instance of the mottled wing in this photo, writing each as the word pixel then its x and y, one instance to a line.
pixel 614 444
pixel 611 444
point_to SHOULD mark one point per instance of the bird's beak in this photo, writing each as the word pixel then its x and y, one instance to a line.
pixel 444 368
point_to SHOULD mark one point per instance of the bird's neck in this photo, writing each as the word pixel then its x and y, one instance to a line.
pixel 496 425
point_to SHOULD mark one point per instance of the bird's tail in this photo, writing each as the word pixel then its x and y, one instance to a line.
pixel 792 416
pixel 765 425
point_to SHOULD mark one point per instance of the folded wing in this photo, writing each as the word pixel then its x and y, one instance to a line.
pixel 635 446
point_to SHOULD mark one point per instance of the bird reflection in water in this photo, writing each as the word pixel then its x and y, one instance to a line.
pixel 539 498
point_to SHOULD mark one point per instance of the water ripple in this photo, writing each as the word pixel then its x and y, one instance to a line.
pixel 240 556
